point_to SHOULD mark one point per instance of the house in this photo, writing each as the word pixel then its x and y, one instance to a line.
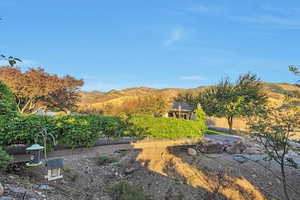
pixel 45 113
pixel 54 167
pixel 181 110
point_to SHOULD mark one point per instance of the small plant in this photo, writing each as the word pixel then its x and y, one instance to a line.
pixel 104 160
pixel 125 191
pixel 5 159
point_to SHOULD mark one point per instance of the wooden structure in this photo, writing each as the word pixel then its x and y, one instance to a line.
pixel 181 110
pixel 54 167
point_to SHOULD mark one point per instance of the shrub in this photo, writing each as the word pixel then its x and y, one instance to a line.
pixel 103 160
pixel 5 159
pixel 171 128
pixel 71 130
pixel 75 131
pixel 125 191
pixel 8 104
pixel 23 129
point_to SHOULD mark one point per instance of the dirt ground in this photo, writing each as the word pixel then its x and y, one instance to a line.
pixel 164 172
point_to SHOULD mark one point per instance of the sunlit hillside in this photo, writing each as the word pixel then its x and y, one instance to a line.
pixel 275 91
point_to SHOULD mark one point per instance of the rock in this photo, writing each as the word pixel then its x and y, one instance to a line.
pixel 130 170
pixel 88 170
pixel 292 154
pixel 41 194
pixel 191 152
pixel 235 148
pixel 44 187
pixel 6 198
pixel 252 150
pixel 211 147
pixel 1 190
pixel 294 144
pixel 240 158
pixel 17 190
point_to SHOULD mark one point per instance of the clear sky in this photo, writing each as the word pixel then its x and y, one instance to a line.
pixel 117 44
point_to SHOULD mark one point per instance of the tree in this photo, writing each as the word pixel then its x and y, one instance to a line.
pixel 188 98
pixel 35 89
pixel 244 98
pixel 153 104
pixel 273 130
pixel 294 69
pixel 149 104
pixel 8 105
pixel 12 61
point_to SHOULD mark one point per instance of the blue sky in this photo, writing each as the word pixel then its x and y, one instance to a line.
pixel 170 43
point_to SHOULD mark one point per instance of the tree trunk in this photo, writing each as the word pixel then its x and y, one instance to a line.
pixel 230 123
pixel 284 184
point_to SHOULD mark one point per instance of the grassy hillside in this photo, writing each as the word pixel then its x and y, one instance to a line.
pixel 275 91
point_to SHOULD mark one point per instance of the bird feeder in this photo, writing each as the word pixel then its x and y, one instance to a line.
pixel 54 167
pixel 35 155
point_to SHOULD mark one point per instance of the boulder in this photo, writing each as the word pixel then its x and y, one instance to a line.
pixel 240 158
pixel 6 198
pixel 1 190
pixel 211 147
pixel 292 153
pixel 235 148
pixel 252 150
pixel 191 151
pixel 130 170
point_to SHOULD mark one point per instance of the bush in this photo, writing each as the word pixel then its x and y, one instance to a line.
pixel 125 191
pixel 84 130
pixel 75 131
pixel 23 129
pixel 71 130
pixel 8 104
pixel 171 128
pixel 5 159
pixel 103 160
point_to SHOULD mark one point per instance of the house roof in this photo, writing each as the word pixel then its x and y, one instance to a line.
pixel 55 163
pixel 180 106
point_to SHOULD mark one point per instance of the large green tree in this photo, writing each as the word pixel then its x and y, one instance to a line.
pixel 231 100
pixel 8 105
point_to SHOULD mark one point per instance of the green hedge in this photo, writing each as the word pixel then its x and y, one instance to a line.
pixel 84 130
pixel 73 131
pixel 171 128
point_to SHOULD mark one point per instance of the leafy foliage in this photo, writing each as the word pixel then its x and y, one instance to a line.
pixel 171 128
pixel 125 191
pixel 11 60
pixel 244 98
pixel 74 131
pixel 8 105
pixel 273 131
pixel 37 89
pixel 5 159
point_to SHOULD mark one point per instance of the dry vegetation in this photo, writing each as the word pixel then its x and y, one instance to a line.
pixel 113 101
pixel 153 171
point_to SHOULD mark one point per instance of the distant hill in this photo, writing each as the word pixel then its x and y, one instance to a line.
pixel 275 91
